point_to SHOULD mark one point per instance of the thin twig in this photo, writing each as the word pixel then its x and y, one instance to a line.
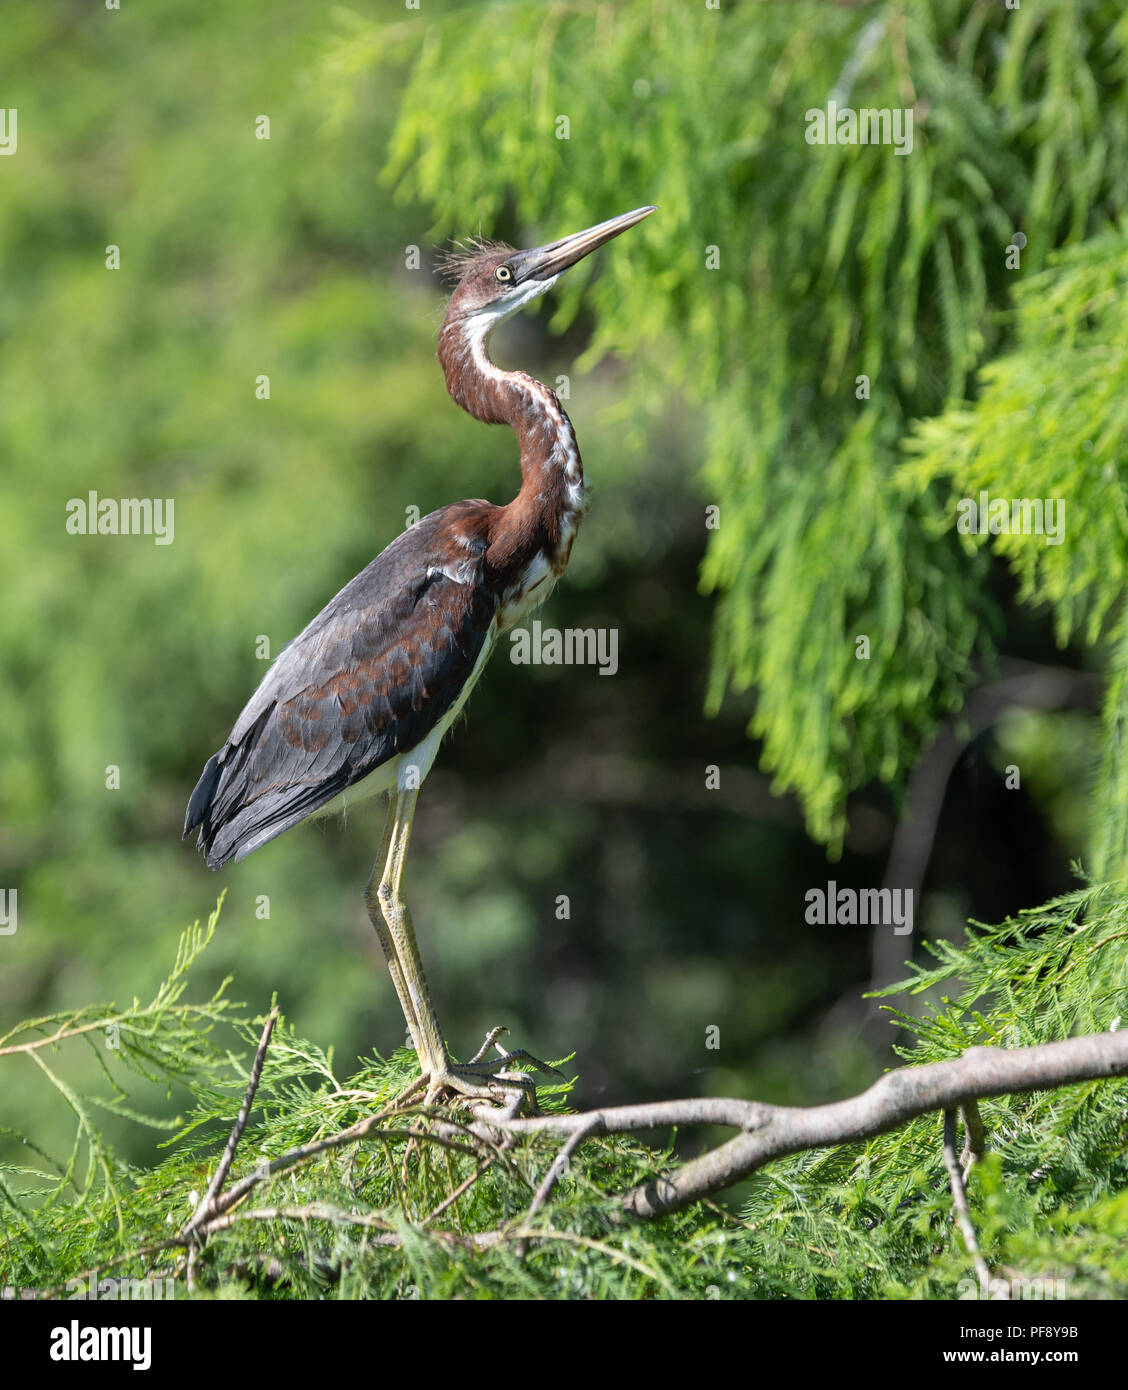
pixel 314 1211
pixel 462 1187
pixel 61 1034
pixel 362 1129
pixel 207 1204
pixel 959 1201
pixel 560 1164
pixel 556 1171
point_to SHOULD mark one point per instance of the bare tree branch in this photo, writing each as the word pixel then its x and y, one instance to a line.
pixel 772 1132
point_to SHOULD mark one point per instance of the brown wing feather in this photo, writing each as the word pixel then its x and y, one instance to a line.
pixel 367 680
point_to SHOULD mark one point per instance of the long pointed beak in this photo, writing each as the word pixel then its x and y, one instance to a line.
pixel 544 262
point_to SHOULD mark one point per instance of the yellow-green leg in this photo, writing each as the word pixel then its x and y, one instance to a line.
pixel 376 917
pixel 391 917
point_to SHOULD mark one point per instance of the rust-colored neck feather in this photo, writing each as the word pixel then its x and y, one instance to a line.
pixel 552 498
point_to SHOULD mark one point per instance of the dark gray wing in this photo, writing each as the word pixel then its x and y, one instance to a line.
pixel 368 679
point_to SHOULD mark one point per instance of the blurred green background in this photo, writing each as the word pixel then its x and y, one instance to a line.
pixel 288 257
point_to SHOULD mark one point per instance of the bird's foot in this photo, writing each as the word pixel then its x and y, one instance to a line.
pixel 493 1079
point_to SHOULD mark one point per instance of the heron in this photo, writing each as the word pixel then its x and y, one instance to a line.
pixel 366 692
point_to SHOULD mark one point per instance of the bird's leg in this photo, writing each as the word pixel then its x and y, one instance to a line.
pixel 376 916
pixel 397 937
pixel 415 998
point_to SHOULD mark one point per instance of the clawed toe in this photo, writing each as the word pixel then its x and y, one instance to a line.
pixel 488 1079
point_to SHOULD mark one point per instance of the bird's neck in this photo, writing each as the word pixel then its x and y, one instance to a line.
pixel 552 474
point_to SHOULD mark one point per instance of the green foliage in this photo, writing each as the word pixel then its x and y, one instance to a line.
pixel 165 1042
pixel 1051 422
pixel 874 1220
pixel 737 388
pixel 417 1209
pixel 286 257
pixel 1110 801
pixel 830 263
pixel 343 1200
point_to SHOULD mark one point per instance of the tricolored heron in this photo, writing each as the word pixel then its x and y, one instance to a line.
pixel 370 687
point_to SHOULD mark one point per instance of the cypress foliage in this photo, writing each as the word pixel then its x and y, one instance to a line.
pixel 778 275
pixel 779 272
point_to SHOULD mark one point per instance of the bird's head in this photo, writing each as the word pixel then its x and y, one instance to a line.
pixel 495 281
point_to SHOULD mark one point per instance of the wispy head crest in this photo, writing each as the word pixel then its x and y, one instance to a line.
pixel 464 255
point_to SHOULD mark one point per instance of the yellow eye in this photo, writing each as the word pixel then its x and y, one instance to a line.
pixel 503 273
